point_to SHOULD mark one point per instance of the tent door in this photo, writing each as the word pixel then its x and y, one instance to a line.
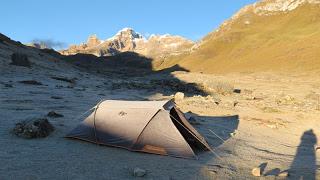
pixel 187 134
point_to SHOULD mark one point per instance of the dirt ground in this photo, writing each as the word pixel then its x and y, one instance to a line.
pixel 271 121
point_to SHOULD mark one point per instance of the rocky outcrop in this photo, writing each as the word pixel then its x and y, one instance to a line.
pixel 156 46
pixel 268 7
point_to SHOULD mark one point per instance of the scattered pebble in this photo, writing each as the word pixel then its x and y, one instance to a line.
pixel 238 91
pixel 235 103
pixel 8 85
pixel 31 82
pixel 138 172
pixel 54 114
pixel 56 97
pixel 179 96
pixel 72 80
pixel 256 172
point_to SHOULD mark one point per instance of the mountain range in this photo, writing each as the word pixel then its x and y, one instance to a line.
pixel 156 46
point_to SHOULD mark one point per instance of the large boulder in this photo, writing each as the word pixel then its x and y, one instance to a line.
pixel 19 59
pixel 33 128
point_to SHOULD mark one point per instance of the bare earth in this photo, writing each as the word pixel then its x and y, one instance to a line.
pixel 273 121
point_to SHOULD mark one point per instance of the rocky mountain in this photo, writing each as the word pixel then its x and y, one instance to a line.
pixel 156 46
pixel 38 45
pixel 275 35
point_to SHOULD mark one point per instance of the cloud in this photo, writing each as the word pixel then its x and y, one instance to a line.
pixel 49 43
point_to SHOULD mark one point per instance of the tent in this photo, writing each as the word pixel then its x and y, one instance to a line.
pixel 157 127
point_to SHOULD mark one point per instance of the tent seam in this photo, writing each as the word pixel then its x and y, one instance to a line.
pixel 145 128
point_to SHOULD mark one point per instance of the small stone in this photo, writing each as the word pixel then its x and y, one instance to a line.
pixel 56 97
pixel 235 103
pixel 179 96
pixel 283 174
pixel 54 114
pixel 232 134
pixel 31 82
pixel 256 172
pixel 8 85
pixel 238 91
pixel 138 172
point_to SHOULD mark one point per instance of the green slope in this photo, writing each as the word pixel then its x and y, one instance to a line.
pixel 282 42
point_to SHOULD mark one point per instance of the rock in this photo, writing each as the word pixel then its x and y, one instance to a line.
pixel 235 103
pixel 19 59
pixel 56 97
pixel 138 172
pixel 256 172
pixel 8 85
pixel 33 128
pixel 72 80
pixel 54 114
pixel 179 96
pixel 283 174
pixel 31 82
pixel 232 134
pixel 238 91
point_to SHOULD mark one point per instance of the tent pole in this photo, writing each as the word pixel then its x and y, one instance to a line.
pixel 94 121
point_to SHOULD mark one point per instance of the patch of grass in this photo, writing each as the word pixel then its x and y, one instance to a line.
pixel 219 87
pixel 270 110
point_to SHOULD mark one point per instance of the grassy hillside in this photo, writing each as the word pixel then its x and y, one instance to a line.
pixel 282 42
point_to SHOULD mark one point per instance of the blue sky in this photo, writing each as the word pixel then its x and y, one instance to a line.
pixel 71 21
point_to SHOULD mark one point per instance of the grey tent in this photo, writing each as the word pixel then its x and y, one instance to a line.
pixel 157 127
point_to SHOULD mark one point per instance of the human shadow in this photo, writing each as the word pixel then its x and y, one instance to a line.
pixel 304 164
pixel 136 72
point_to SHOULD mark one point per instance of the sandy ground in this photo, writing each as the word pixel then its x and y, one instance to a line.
pixel 273 122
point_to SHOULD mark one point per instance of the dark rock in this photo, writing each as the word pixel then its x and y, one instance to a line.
pixel 34 128
pixel 19 59
pixel 73 80
pixel 31 82
pixel 54 114
pixel 8 85
pixel 237 91
pixel 235 103
pixel 56 97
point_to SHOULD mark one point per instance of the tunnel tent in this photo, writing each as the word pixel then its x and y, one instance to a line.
pixel 157 127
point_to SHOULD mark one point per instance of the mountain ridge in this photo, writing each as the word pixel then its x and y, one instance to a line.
pixel 156 46
pixel 250 42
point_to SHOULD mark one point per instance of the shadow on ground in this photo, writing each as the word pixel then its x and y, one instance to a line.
pixel 137 73
pixel 304 165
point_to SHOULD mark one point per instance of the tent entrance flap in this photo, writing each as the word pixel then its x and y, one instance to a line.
pixel 188 134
